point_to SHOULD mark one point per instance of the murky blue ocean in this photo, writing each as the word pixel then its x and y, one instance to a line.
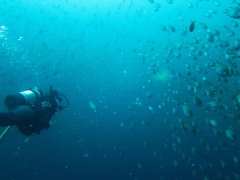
pixel 153 86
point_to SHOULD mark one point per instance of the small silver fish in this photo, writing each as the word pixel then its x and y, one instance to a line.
pixel 187 111
pixel 230 134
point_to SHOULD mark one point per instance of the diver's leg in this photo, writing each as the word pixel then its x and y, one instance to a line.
pixel 6 120
pixel 25 118
pixel 15 116
pixel 22 113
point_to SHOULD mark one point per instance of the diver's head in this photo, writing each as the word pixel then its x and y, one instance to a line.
pixel 58 98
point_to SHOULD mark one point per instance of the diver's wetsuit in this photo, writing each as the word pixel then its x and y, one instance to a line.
pixel 32 118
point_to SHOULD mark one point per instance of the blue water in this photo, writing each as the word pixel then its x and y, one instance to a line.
pixel 112 60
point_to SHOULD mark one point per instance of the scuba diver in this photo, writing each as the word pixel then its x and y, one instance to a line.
pixel 31 110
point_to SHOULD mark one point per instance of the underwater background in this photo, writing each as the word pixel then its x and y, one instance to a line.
pixel 153 87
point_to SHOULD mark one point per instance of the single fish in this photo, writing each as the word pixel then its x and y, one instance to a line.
pixel 230 134
pixel 192 26
pixel 187 111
